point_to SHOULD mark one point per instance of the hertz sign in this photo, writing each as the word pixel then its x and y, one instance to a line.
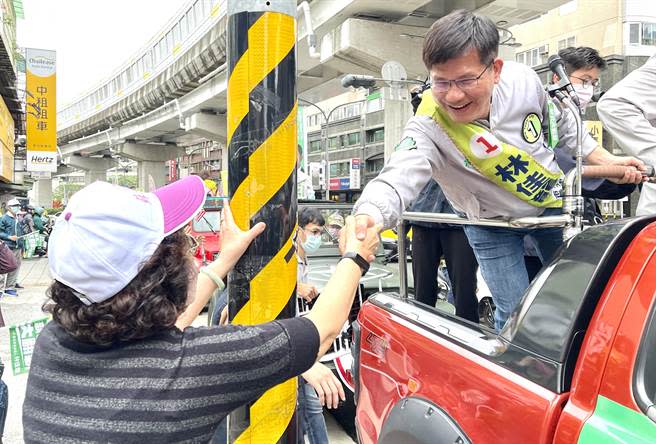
pixel 41 110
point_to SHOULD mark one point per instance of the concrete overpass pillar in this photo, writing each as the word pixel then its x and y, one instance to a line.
pixel 150 161
pixel 43 192
pixel 63 170
pixel 146 170
pixel 92 176
pixel 95 168
pixel 209 126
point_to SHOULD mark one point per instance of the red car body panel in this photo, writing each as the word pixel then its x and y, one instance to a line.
pixel 490 403
pixel 613 337
pixel 618 377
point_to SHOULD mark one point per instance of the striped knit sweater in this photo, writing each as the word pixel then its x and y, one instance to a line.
pixel 175 387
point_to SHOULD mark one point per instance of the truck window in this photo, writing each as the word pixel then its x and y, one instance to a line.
pixel 644 385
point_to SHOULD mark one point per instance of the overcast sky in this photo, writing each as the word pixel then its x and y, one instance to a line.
pixel 92 37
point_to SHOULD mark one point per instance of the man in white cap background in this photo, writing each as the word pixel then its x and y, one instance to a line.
pixel 10 233
pixel 119 362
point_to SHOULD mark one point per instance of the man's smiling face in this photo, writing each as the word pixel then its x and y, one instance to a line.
pixel 472 101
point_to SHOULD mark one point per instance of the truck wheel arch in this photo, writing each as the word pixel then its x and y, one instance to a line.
pixel 418 421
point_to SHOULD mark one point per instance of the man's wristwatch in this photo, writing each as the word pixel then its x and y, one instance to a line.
pixel 362 262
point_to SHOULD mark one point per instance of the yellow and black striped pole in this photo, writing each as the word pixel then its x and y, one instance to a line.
pixel 262 185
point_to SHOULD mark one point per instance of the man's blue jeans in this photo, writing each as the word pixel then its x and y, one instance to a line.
pixel 500 255
pixel 310 413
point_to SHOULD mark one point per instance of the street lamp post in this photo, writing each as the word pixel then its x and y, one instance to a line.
pixel 324 135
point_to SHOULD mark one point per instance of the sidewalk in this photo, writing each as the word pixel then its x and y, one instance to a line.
pixel 35 278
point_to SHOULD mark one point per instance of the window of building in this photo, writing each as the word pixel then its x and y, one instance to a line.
pixel 340 169
pixel 649 34
pixel 642 34
pixel 198 10
pixel 634 33
pixel 566 43
pixel 332 143
pixel 534 57
pixel 176 32
pixel 353 138
pixel 375 165
pixel 163 50
pixel 315 146
pixel 156 55
pixel 183 27
pixel 189 15
pixel 375 135
pixel 169 41
pixel 146 62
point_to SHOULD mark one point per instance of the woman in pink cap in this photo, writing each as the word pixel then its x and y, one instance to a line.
pixel 119 362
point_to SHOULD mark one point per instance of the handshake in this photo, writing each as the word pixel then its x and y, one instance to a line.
pixel 360 235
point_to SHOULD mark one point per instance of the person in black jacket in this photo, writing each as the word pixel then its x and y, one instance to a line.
pixel 10 233
pixel 431 241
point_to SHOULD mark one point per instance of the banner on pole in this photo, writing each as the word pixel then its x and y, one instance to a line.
pixel 22 338
pixel 41 110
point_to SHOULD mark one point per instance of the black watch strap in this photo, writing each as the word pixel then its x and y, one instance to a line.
pixel 362 262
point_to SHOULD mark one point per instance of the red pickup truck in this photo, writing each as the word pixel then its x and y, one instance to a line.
pixel 575 363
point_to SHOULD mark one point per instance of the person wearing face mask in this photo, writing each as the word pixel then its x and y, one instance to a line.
pixel 318 386
pixel 478 134
pixel 584 66
pixel 308 240
pixel 10 233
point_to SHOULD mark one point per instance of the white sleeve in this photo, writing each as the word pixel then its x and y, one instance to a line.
pixel 405 174
pixel 627 109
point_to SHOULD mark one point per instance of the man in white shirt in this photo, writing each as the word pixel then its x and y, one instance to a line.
pixel 479 135
pixel 628 112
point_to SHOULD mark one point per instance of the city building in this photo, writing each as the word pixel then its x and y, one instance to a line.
pixel 353 141
pixel 613 27
pixel 623 31
pixel 12 123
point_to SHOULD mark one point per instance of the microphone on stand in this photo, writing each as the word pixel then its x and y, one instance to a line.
pixel 557 66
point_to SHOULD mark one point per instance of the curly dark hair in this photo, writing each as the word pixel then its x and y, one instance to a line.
pixel 151 303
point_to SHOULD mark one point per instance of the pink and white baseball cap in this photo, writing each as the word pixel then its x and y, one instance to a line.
pixel 107 232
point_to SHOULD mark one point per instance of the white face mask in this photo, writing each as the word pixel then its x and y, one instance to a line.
pixel 585 95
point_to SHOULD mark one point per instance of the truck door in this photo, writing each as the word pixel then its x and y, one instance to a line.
pixel 622 409
pixel 401 359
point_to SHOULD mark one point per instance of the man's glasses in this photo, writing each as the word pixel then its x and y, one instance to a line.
pixel 587 82
pixel 442 86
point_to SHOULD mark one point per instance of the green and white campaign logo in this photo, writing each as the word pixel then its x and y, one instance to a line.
pixel 408 143
pixel 531 128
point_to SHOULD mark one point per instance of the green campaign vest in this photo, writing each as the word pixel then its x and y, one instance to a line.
pixel 507 166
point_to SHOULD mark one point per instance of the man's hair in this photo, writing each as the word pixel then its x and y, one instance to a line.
pixel 150 304
pixel 454 34
pixel 582 57
pixel 309 215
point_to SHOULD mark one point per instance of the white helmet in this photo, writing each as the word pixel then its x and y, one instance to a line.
pixel 13 203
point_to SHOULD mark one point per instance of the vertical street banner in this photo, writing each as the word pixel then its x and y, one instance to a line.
pixel 41 110
pixel 22 338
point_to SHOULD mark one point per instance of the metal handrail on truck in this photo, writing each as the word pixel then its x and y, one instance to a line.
pixel 573 203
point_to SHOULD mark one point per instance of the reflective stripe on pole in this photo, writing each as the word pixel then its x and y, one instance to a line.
pixel 262 184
